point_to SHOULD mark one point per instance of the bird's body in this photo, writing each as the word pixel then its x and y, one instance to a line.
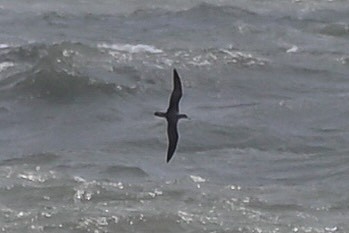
pixel 172 115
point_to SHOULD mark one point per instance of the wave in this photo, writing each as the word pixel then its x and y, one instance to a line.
pixel 62 72
pixel 60 85
pixel 139 48
pixel 37 159
pixel 335 29
pixel 208 57
pixel 4 46
pixel 5 65
pixel 125 171
pixel 198 12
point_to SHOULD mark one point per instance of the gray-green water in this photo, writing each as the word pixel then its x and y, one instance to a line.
pixel 266 86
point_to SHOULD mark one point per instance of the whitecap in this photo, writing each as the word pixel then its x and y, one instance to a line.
pixel 32 177
pixel 185 216
pixel 243 58
pixel 5 65
pixel 292 50
pixel 235 187
pixel 4 46
pixel 331 229
pixel 203 63
pixel 79 179
pixel 197 179
pixel 155 193
pixel 139 48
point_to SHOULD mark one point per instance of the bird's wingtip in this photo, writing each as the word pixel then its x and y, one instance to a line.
pixel 169 158
pixel 176 76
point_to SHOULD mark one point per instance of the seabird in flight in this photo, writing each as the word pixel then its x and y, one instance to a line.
pixel 172 115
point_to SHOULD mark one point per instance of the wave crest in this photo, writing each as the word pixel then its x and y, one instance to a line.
pixel 62 72
pixel 60 85
pixel 139 48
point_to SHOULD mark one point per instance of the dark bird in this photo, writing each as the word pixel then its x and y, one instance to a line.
pixel 172 115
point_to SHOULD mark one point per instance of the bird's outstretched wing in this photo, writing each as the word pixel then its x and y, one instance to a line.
pixel 176 93
pixel 172 134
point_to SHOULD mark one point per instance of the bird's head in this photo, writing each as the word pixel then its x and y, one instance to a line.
pixel 160 114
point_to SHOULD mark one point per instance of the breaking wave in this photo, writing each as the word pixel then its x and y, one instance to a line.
pixel 60 72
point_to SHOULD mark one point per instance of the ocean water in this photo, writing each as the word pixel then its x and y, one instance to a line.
pixel 266 87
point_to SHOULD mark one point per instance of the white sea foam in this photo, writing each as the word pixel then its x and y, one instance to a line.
pixel 197 179
pixel 203 63
pixel 242 57
pixel 187 217
pixel 79 179
pixel 292 50
pixel 139 48
pixel 31 176
pixel 5 65
pixel 4 46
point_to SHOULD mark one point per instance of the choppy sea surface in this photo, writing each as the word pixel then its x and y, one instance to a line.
pixel 266 86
